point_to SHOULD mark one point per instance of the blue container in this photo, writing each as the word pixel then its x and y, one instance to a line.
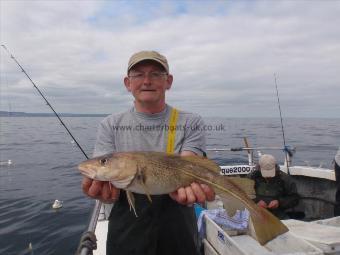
pixel 198 209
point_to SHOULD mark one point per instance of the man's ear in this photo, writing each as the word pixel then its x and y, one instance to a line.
pixel 127 84
pixel 169 80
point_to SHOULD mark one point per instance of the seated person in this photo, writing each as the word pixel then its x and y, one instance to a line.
pixel 270 188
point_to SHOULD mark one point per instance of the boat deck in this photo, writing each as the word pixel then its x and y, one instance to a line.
pixel 324 236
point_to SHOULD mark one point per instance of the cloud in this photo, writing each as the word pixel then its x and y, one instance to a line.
pixel 223 54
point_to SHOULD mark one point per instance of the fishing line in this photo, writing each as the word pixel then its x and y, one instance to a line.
pixel 47 102
pixel 95 213
pixel 283 132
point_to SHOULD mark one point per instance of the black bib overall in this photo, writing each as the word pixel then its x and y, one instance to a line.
pixel 162 227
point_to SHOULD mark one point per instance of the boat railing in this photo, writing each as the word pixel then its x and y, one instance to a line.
pixel 88 239
pixel 288 150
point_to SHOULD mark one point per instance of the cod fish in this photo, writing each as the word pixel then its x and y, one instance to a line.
pixel 155 173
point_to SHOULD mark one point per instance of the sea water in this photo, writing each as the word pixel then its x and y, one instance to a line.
pixel 44 163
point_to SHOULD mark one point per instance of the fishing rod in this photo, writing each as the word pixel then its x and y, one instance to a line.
pixel 283 132
pixel 48 103
pixel 86 238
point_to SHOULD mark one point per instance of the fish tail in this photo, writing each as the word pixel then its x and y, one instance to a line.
pixel 265 226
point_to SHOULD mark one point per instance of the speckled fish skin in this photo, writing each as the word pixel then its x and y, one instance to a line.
pixel 155 173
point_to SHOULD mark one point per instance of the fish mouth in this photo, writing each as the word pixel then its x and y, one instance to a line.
pixel 87 171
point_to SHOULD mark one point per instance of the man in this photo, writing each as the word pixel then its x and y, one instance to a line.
pixel 168 224
pixel 270 188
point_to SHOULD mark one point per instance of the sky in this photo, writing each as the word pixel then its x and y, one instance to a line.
pixel 223 55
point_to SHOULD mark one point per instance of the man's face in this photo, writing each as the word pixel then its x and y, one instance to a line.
pixel 148 81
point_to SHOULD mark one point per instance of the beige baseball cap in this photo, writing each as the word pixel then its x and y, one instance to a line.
pixel 267 165
pixel 148 55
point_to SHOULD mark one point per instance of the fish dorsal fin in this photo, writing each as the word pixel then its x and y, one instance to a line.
pixel 246 184
pixel 205 162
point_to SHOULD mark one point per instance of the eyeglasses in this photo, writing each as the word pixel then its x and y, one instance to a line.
pixel 153 76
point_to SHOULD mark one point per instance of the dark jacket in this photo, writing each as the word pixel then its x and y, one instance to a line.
pixel 268 189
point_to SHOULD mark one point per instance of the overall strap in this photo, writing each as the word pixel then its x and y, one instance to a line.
pixel 170 148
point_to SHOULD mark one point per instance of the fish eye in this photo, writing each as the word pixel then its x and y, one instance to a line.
pixel 103 161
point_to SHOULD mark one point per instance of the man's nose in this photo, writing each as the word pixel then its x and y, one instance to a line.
pixel 147 79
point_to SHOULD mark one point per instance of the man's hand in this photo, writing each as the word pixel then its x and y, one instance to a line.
pixel 273 204
pixel 103 191
pixel 262 204
pixel 195 193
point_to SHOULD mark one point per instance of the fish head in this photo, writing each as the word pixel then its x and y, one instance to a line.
pixel 113 167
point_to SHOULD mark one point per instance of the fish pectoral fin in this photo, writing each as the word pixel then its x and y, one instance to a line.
pixel 131 201
pixel 147 192
pixel 142 179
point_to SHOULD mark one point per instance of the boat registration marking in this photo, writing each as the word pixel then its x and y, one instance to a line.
pixel 241 169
